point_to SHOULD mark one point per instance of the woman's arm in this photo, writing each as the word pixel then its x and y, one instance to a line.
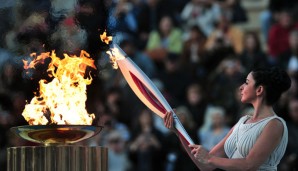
pixel 218 150
pixel 264 146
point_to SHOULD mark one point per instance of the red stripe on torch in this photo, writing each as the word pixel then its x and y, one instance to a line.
pixel 147 94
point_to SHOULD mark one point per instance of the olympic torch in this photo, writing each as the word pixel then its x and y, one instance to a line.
pixel 147 92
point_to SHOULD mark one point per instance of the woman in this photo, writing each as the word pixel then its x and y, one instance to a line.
pixel 258 141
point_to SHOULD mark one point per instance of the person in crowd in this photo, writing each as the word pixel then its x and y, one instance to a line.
pixel 140 58
pixel 122 20
pixel 69 37
pixel 174 78
pixel 193 47
pixel 278 38
pixel 223 82
pixel 201 13
pixel 269 16
pixel 196 102
pixel 149 13
pixel 234 9
pixel 290 161
pixel 193 53
pixel 253 55
pixel 118 154
pixel 250 144
pixel 214 128
pixel 289 59
pixel 110 124
pixel 115 102
pixel 191 13
pixel 166 39
pixel 227 34
pixel 146 145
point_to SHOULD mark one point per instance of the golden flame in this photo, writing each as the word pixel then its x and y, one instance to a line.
pixel 61 101
pixel 115 54
pixel 106 38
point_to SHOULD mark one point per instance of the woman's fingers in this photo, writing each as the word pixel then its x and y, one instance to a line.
pixel 195 148
pixel 168 120
pixel 171 120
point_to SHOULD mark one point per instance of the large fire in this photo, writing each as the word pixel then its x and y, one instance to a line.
pixel 62 100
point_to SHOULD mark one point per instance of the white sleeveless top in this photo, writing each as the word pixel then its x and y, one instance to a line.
pixel 244 136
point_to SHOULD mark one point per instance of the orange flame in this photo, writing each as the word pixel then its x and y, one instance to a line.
pixel 115 55
pixel 61 101
pixel 106 38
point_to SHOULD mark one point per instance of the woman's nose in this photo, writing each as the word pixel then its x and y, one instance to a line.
pixel 241 87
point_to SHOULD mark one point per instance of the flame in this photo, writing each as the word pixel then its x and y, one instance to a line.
pixel 106 38
pixel 61 101
pixel 115 54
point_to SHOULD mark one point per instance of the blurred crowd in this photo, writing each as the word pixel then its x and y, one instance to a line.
pixel 193 50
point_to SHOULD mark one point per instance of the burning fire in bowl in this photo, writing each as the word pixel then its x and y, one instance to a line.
pixel 57 113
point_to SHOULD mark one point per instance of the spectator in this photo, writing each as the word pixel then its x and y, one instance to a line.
pixel 118 155
pixel 269 16
pixel 146 145
pixel 149 14
pixel 278 40
pixel 289 163
pixel 175 79
pixel 69 37
pixel 140 58
pixel 234 9
pixel 115 104
pixel 224 82
pixel 214 128
pixel 193 53
pixel 191 13
pixel 196 102
pixel 289 59
pixel 167 39
pixel 122 20
pixel 226 34
pixel 253 56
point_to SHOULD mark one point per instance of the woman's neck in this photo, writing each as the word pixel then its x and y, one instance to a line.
pixel 262 110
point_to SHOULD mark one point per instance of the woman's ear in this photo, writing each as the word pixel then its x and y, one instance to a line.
pixel 260 90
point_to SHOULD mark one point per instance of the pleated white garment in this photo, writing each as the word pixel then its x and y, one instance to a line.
pixel 244 136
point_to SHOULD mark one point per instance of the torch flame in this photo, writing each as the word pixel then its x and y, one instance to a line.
pixel 61 101
pixel 106 38
pixel 115 54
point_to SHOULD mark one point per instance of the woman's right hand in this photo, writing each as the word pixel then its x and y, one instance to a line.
pixel 169 120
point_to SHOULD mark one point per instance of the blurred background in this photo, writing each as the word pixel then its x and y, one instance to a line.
pixel 197 52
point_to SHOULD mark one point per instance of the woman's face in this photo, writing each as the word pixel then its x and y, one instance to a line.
pixel 248 90
pixel 250 42
pixel 145 118
pixel 165 25
pixel 194 96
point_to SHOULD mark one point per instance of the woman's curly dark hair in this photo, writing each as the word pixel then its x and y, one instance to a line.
pixel 275 80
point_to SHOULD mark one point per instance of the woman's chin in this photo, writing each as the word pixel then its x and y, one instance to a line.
pixel 243 100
